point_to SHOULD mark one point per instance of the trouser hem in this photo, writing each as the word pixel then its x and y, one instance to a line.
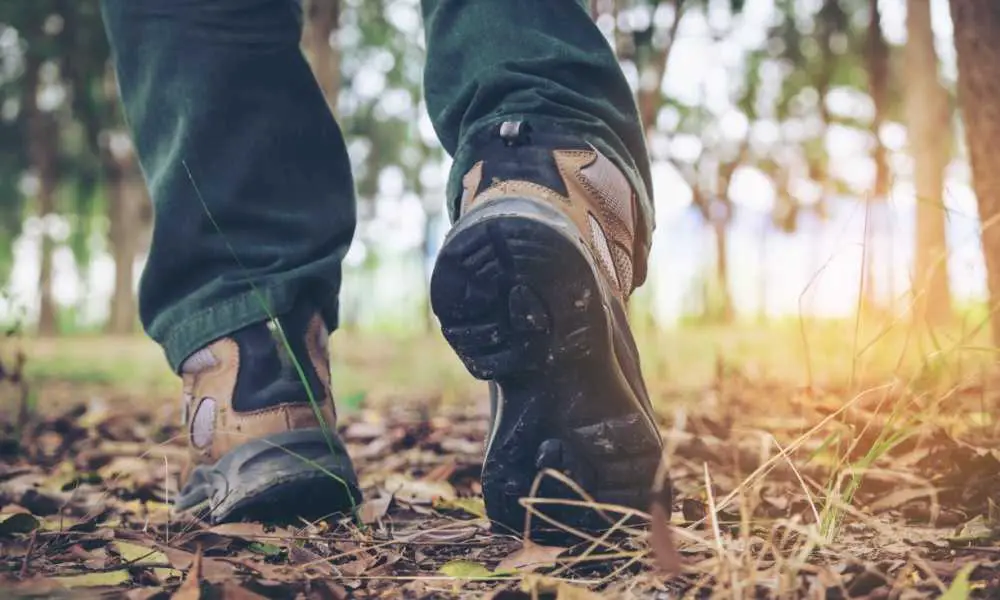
pixel 181 337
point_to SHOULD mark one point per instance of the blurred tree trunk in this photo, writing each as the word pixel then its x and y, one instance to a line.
pixel 653 66
pixel 722 269
pixel 762 279
pixel 878 88
pixel 322 19
pixel 47 321
pixel 125 194
pixel 977 29
pixel 43 150
pixel 426 258
pixel 927 117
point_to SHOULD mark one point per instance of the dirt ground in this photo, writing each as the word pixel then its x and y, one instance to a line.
pixel 865 489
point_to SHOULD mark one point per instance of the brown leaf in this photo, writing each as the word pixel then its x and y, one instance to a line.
pixel 146 593
pixel 320 589
pixel 530 557
pixel 142 555
pixel 35 587
pixel 126 470
pixel 190 589
pixel 899 498
pixel 213 570
pixel 668 559
pixel 373 510
pixel 563 590
pixel 356 567
pixel 297 555
pixel 693 510
pixel 233 591
pixel 412 491
pixel 450 535
pixel 442 472
pixel 362 431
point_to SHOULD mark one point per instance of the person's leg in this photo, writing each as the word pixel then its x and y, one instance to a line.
pixel 550 195
pixel 545 62
pixel 254 210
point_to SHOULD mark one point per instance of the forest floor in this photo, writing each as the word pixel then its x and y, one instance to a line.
pixel 828 465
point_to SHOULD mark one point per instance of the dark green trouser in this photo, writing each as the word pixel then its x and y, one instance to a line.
pixel 248 171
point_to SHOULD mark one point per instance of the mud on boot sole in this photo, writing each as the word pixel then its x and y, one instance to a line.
pixel 519 300
pixel 282 478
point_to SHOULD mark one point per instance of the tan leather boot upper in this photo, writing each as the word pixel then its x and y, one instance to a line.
pixel 214 427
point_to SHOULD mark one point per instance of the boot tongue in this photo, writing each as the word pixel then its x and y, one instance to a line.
pixel 274 357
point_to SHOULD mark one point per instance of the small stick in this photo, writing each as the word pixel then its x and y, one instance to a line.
pixel 27 555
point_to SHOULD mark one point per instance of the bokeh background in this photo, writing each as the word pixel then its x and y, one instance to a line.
pixel 785 136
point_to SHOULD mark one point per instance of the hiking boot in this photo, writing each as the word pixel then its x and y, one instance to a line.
pixel 260 448
pixel 530 288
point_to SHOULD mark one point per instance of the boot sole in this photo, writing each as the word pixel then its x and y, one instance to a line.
pixel 520 302
pixel 282 478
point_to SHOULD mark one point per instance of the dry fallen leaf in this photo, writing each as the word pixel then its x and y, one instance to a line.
pixel 213 570
pixel 249 531
pixel 442 472
pixel 359 565
pixel 230 590
pixel 145 593
pixel 530 557
pixel 466 569
pixel 561 590
pixel 99 579
pixel 141 555
pixel 472 506
pixel 413 491
pixel 321 589
pixel 190 589
pixel 126 470
pixel 373 510
pixel 441 535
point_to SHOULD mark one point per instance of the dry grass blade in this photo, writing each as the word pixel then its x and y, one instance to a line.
pixel 661 539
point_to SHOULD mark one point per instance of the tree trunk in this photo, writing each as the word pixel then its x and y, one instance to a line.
pixel 722 269
pixel 47 320
pixel 126 193
pixel 43 149
pixel 762 279
pixel 977 29
pixel 124 198
pixel 927 117
pixel 322 19
pixel 878 87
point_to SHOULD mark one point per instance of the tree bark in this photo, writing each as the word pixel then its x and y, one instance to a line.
pixel 47 320
pixel 927 117
pixel 322 19
pixel 722 269
pixel 125 190
pixel 43 149
pixel 878 88
pixel 124 197
pixel 977 29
